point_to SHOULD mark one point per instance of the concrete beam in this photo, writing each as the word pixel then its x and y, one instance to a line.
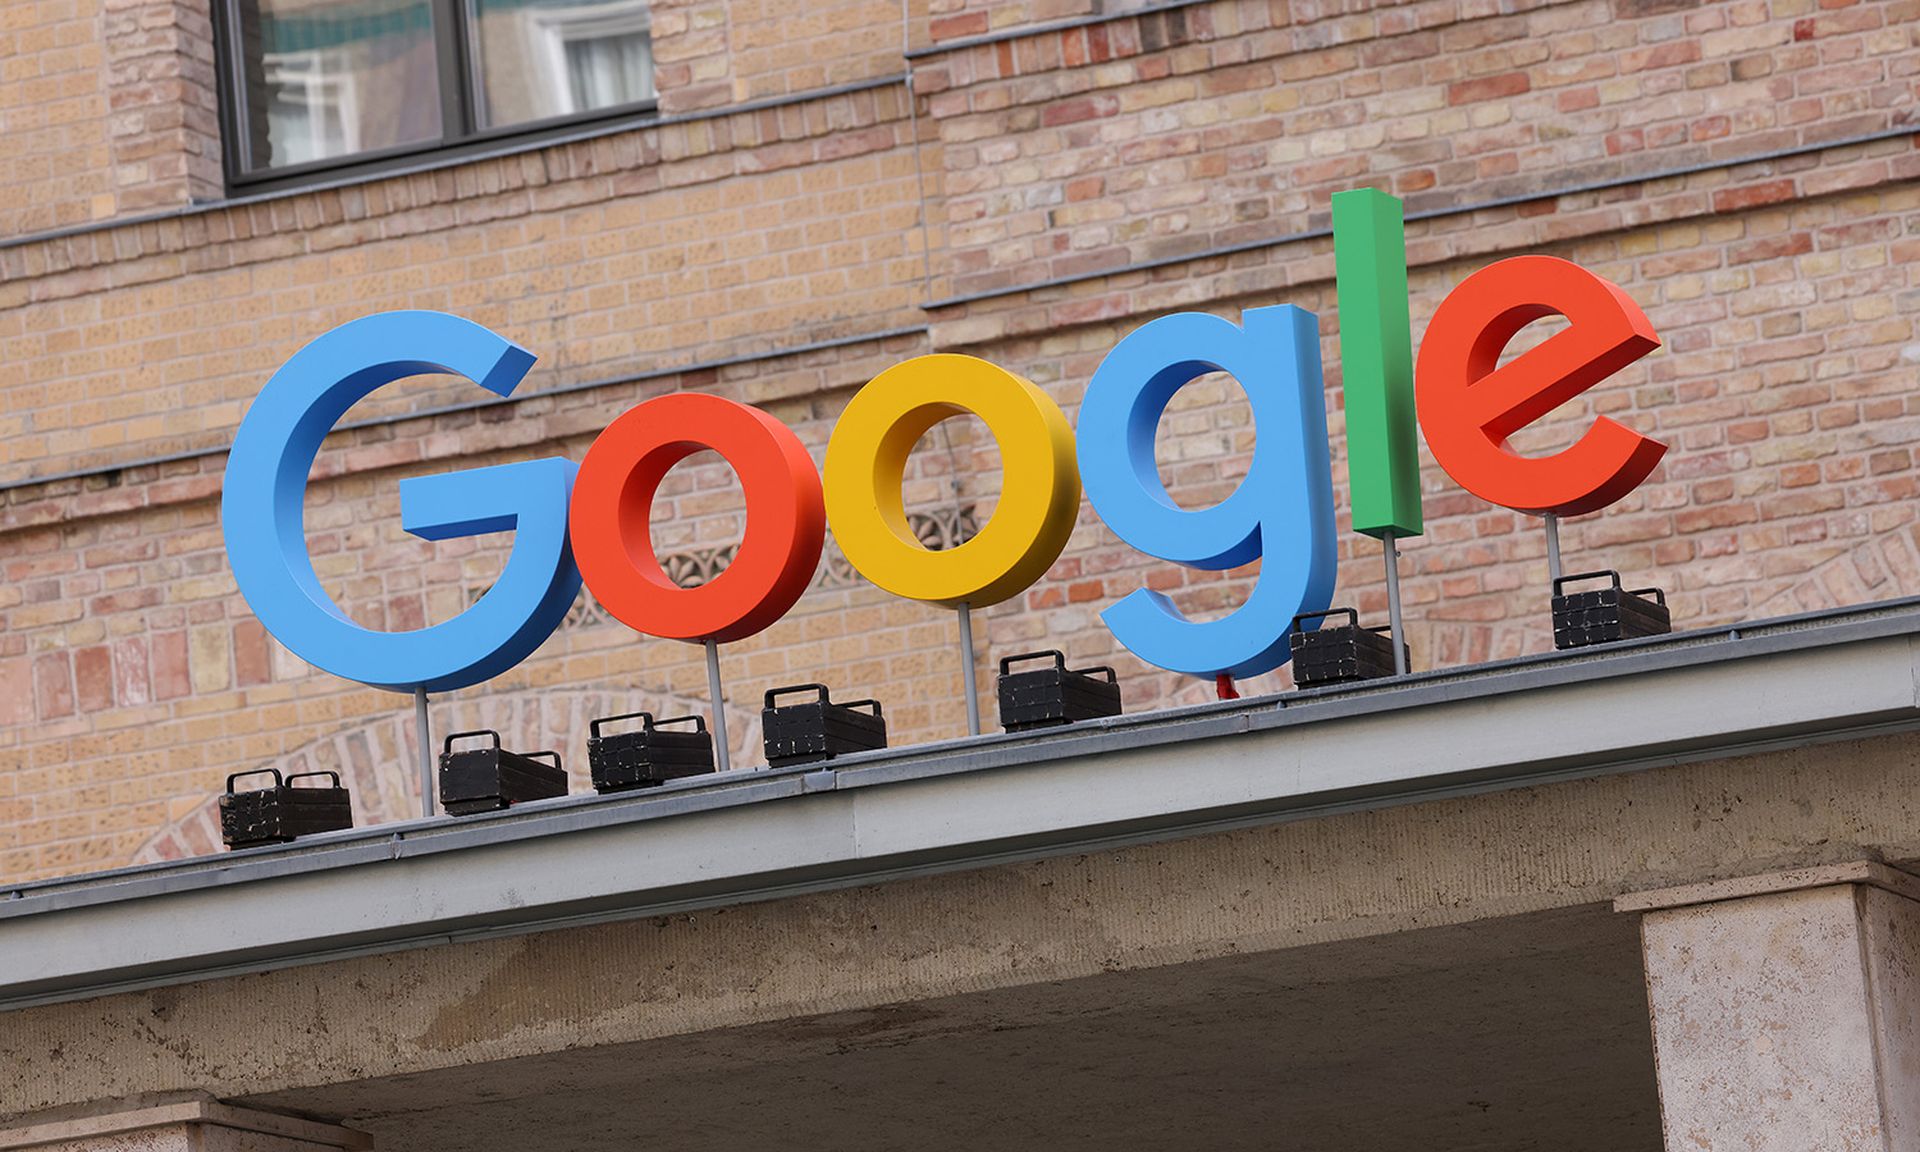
pixel 1377 877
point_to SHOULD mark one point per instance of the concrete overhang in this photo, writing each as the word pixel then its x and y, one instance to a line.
pixel 759 834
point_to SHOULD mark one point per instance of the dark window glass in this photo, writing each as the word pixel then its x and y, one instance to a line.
pixel 331 78
pixel 317 84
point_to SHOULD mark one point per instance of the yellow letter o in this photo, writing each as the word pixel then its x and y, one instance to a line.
pixel 867 462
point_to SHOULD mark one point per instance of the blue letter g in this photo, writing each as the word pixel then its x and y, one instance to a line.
pixel 266 482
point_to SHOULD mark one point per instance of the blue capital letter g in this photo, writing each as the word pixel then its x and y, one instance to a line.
pixel 266 482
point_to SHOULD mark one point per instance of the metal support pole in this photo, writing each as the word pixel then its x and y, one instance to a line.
pixel 721 758
pixel 1393 604
pixel 425 740
pixel 966 671
pixel 1554 571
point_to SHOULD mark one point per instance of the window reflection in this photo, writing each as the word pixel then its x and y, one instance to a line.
pixel 539 59
pixel 330 78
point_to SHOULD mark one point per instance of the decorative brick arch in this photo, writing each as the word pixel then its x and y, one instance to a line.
pixel 1885 567
pixel 376 758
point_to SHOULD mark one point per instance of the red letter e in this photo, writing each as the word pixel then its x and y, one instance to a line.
pixel 1469 404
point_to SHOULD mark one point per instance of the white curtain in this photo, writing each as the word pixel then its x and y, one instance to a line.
pixel 607 71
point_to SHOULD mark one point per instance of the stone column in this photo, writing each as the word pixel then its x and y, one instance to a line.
pixel 191 1123
pixel 1786 1010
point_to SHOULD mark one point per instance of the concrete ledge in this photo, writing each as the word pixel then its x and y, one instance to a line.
pixel 1871 873
pixel 1326 899
pixel 195 1111
pixel 757 835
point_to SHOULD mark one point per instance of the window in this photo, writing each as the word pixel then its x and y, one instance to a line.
pixel 315 87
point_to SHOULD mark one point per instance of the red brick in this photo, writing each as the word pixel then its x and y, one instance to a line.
pixel 1770 249
pixel 93 678
pixel 253 654
pixel 16 690
pixel 1753 196
pixel 1488 88
pixel 53 685
pixel 1578 99
pixel 1074 111
pixel 955 27
pixel 172 678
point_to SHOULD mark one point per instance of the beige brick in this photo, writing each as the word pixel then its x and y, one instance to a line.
pixel 1786 298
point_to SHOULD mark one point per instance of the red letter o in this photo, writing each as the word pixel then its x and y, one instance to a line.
pixel 613 498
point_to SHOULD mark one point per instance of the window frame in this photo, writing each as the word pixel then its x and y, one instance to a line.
pixel 461 98
pixel 625 18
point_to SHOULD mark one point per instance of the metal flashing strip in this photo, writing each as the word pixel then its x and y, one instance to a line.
pixel 1439 213
pixel 760 834
pixel 517 398
pixel 434 163
pixel 1066 24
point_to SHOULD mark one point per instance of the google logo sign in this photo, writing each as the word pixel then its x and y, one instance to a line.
pixel 589 523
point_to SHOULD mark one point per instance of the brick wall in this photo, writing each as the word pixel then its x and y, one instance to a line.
pixel 1187 130
pixel 162 114
pixel 1746 171
pixel 56 165
pixel 669 245
pixel 106 109
pixel 780 49
pixel 713 53
pixel 692 54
